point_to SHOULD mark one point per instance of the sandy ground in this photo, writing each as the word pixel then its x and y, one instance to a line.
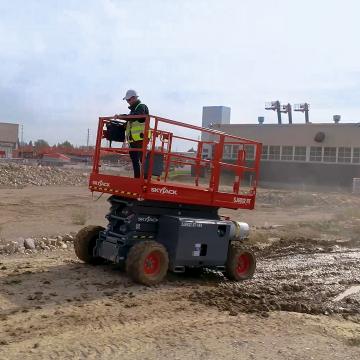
pixel 59 209
pixel 54 307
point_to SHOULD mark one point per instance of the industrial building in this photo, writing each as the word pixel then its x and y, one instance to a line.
pixel 326 154
pixel 9 135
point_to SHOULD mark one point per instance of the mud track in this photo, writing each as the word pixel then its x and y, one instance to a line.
pixel 56 307
pixel 303 303
pixel 304 283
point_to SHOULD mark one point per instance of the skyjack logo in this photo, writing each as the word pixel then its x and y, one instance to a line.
pixel 101 183
pixel 148 219
pixel 238 200
pixel 164 191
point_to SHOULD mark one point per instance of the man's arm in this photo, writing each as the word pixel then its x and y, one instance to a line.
pixel 142 109
pixel 118 115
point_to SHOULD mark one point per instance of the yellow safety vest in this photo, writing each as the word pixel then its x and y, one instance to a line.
pixel 135 130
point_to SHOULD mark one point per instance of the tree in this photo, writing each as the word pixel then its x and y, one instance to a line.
pixel 30 143
pixel 66 144
pixel 40 143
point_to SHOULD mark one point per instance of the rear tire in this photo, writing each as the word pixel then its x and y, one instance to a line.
pixel 147 263
pixel 240 264
pixel 85 242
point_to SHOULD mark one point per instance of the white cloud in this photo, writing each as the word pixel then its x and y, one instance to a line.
pixel 65 63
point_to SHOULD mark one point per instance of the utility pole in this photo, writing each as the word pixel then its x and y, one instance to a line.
pixel 22 136
pixel 88 138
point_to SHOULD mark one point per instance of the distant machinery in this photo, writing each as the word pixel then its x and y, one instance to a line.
pixel 275 106
pixel 303 108
pixel 287 109
pixel 261 119
pixel 336 118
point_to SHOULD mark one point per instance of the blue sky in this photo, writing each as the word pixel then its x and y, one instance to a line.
pixel 64 63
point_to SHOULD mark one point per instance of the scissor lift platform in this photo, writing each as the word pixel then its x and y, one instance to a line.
pixel 163 135
pixel 157 223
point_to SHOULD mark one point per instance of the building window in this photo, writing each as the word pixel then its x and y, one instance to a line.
pixel 274 153
pixel 300 153
pixel 330 154
pixel 265 152
pixel 235 151
pixel 287 153
pixel 227 152
pixel 356 156
pixel 249 152
pixel 315 153
pixel 344 155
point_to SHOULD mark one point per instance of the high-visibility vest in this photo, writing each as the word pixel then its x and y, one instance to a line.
pixel 135 129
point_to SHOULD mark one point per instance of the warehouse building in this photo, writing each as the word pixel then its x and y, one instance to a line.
pixel 325 154
pixel 9 135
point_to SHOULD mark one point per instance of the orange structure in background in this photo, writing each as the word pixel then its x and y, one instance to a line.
pixel 31 152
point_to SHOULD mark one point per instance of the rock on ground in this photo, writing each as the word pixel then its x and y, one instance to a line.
pixel 19 175
pixel 29 244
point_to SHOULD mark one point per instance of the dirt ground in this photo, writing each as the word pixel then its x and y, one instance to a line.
pixel 303 303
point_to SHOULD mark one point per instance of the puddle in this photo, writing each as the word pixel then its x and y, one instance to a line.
pixel 350 291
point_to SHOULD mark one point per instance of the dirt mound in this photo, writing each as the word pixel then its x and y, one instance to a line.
pixel 295 296
pixel 303 198
pixel 30 246
pixel 301 245
pixel 18 175
pixel 293 278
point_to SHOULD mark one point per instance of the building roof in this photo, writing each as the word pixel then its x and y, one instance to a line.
pixel 342 134
pixel 9 133
pixel 56 156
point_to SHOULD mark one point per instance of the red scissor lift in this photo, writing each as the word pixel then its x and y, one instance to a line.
pixel 159 223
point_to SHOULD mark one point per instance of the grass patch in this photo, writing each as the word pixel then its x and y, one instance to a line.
pixel 13 282
pixel 354 341
pixel 325 227
pixel 2 240
pixel 355 232
pixel 258 237
pixel 299 199
pixel 79 216
pixel 178 172
pixel 349 213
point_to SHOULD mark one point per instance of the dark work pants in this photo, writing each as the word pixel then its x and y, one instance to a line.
pixel 136 157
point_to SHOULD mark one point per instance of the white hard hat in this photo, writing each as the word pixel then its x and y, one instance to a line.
pixel 130 94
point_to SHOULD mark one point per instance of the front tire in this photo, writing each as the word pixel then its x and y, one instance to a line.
pixel 240 264
pixel 84 244
pixel 147 263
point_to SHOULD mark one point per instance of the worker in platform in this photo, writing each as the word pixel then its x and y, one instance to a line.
pixel 135 129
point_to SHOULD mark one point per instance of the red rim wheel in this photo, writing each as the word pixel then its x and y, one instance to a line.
pixel 240 264
pixel 152 263
pixel 243 264
pixel 147 262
